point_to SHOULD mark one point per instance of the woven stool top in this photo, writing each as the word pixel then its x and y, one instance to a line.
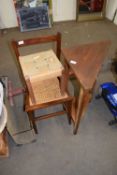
pixel 46 90
pixel 41 65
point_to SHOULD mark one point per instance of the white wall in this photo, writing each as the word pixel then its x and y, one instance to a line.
pixel 64 10
pixel 7 14
pixel 115 20
pixel 110 9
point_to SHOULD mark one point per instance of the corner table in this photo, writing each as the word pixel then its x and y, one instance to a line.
pixel 85 63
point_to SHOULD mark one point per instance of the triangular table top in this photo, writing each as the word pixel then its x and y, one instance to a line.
pixel 86 60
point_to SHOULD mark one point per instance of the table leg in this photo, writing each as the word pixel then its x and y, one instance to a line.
pixel 82 102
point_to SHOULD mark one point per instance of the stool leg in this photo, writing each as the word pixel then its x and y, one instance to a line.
pixel 67 108
pixel 32 121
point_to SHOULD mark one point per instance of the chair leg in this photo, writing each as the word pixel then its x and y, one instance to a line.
pixel 32 121
pixel 67 107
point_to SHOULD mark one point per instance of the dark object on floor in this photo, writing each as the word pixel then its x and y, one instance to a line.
pixel 108 91
pixel 114 63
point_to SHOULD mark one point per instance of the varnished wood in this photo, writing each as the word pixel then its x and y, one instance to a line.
pixel 68 107
pixel 89 58
pixel 30 90
pixel 49 115
pixel 84 98
pixel 31 104
pixel 84 62
pixel 38 40
pixel 45 105
pixel 32 121
pixel 4 148
pixel 64 81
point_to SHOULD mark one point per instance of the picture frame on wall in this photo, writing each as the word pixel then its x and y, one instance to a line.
pixel 33 14
pixel 90 9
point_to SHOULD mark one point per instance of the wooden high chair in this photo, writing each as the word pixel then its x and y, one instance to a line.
pixel 45 79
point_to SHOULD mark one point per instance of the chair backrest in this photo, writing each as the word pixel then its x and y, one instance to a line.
pixel 38 40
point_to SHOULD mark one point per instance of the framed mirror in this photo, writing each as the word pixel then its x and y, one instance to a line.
pixel 33 14
pixel 90 9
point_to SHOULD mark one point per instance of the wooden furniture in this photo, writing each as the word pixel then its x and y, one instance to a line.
pixel 4 150
pixel 3 121
pixel 44 78
pixel 85 62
